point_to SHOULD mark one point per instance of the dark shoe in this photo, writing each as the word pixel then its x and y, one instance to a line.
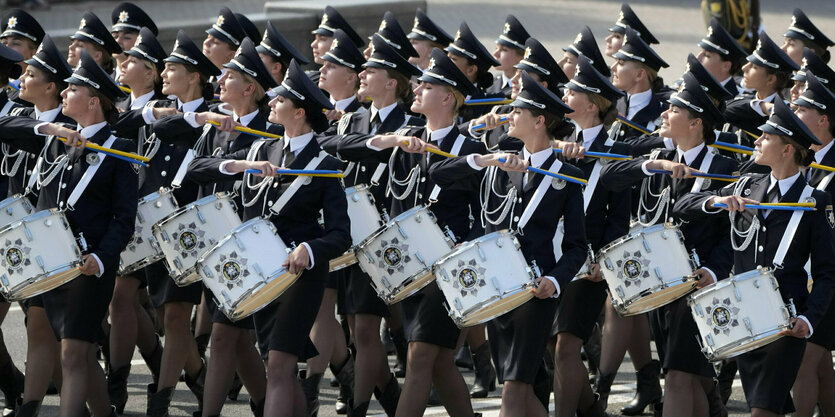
pixel 310 387
pixel 658 409
pixel 595 410
pixel 117 387
pixel 434 398
pixel 154 360
pixel 715 405
pixel 485 373
pixel 649 389
pixel 464 358
pixel 357 410
pixel 202 344
pixel 158 401
pixel 389 396
pixel 345 376
pixel 196 385
pixel 402 347
pixel 257 409
pixel 113 411
pixel 29 409
pixel 9 384
pixel 237 385
pixel 726 379
pixel 603 386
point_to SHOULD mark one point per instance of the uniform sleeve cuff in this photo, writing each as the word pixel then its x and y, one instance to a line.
pixel 808 324
pixel 191 118
pixel 372 147
pixel 222 168
pixel 707 210
pixel 755 105
pixel 644 168
pixel 148 115
pixel 37 128
pixel 101 266
pixel 310 254
pixel 712 274
pixel 556 285
pixel 471 162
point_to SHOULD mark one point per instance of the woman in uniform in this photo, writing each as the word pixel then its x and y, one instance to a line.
pixel 592 97
pixel 432 335
pixel 768 372
pixel 815 380
pixel 284 325
pixel 127 19
pixel 473 59
pixel 626 19
pixel 802 33
pixel 223 39
pixel 519 336
pixel 584 45
pixel 426 36
pixel 510 48
pixel 102 208
pixel 93 37
pixel 722 56
pixel 339 75
pixel 324 36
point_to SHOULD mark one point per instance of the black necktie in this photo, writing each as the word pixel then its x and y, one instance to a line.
pixel 528 175
pixel 772 195
pixel 289 156
pixel 376 123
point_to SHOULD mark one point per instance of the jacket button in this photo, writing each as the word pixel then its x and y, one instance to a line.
pixel 519 200
pixel 362 168
pixel 760 248
pixel 422 179
pixel 275 184
pixel 269 203
pixel 63 185
pixel 69 167
pixel 29 172
pixel 763 228
pixel 167 157
pixel 516 219
pixel 163 173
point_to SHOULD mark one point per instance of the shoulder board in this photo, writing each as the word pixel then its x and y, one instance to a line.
pixel 18 111
pixel 344 121
pixel 408 130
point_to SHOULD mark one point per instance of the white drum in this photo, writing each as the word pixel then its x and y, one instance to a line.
pixel 740 314
pixel 647 269
pixel 189 232
pixel 244 269
pixel 484 278
pixel 365 220
pixel 38 254
pixel 140 251
pixel 14 208
pixel 399 256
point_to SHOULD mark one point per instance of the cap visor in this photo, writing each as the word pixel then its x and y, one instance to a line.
pixel 214 32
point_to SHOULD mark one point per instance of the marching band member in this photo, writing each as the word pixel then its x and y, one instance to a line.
pixel 811 63
pixel 41 85
pixel 722 56
pixel 510 48
pixel 130 323
pixel 617 33
pixel 426 36
pixel 284 325
pixel 474 61
pixel 93 37
pixel 386 80
pixel 339 75
pixel 222 41
pixel 323 36
pixel 540 65
pixel 20 31
pixel 768 372
pixel 767 72
pixel 393 35
pixel 101 198
pixel 584 45
pixel 431 333
pixel 816 377
pixel 519 337
pixel 592 96
pixel 802 33
pixel 277 52
pixel 128 19
pixel 250 30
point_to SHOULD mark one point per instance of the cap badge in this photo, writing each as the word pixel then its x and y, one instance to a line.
pixel 506 28
pixel 123 16
pixel 334 44
pixel 324 20
pixel 220 20
pixel 416 24
pixel 578 39
pixel 709 31
pixel 12 22
pixel 527 53
pixel 431 64
pixel 82 24
pixel 382 26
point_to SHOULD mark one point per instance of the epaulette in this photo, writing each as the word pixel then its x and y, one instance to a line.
pixel 344 121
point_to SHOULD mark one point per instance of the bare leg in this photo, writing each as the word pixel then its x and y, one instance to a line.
pixel 806 385
pixel 77 360
pixel 42 355
pixel 419 367
pixel 616 336
pixel 371 366
pixel 450 384
pixel 180 350
pixel 221 367
pixel 572 391
pixel 284 395
pixel 250 367
pixel 638 348
pixel 826 376
pixel 123 319
pixel 518 399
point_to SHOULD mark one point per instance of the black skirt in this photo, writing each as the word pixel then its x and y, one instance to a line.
pixel 426 320
pixel 357 294
pixel 681 338
pixel 284 325
pixel 824 332
pixel 579 308
pixel 333 279
pixel 162 288
pixel 518 338
pixel 138 275
pixel 219 316
pixel 76 309
pixel 768 374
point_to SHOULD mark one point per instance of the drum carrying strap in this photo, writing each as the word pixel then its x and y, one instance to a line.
pixel 704 167
pixel 6 108
pixel 88 175
pixel 537 196
pixel 456 148
pixel 825 182
pixel 589 191
pixel 297 183
pixel 788 234
pixel 181 171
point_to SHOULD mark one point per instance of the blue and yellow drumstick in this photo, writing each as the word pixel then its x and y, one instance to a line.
pixel 603 155
pixel 249 131
pixel 15 85
pixel 776 206
pixel 482 126
pixel 564 177
pixel 125 156
pixel 750 151
pixel 303 172
pixel 487 101
pixel 719 177
pixel 642 129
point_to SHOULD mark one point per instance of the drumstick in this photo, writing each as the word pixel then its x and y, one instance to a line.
pixel 15 85
pixel 775 206
pixel 642 129
pixel 247 130
pixel 568 178
pixel 720 177
pixel 604 155
pixel 432 149
pixel 125 156
pixel 482 126
pixel 750 151
pixel 487 101
pixel 125 89
pixel 303 172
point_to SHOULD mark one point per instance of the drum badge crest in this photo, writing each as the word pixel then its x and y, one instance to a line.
pixel 468 277
pixel 721 316
pixel 189 239
pixel 14 255
pixel 393 255
pixel 634 267
pixel 830 217
pixel 230 269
